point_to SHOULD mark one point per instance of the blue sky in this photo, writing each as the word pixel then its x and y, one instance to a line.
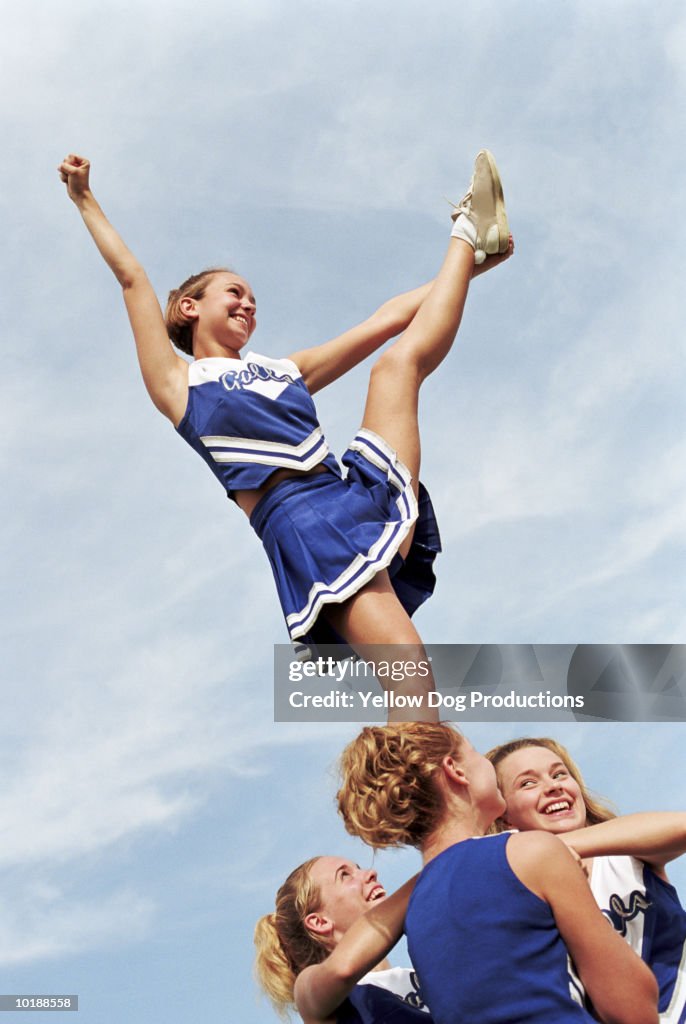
pixel 150 806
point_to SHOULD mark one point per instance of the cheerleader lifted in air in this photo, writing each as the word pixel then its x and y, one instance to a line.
pixel 351 555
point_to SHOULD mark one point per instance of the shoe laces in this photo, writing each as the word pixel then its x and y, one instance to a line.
pixel 464 205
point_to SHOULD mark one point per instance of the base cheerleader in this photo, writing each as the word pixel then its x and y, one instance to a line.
pixel 626 857
pixel 323 948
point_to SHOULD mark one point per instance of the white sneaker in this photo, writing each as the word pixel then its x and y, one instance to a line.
pixel 480 218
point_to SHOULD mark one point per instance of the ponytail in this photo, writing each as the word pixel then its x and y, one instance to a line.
pixel 284 945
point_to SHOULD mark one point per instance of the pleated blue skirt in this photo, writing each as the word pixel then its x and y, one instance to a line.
pixel 327 536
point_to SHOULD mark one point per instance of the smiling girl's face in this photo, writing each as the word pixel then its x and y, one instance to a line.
pixel 347 891
pixel 224 316
pixel 540 792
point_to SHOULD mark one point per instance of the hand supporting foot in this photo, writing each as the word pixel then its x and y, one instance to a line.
pixel 494 261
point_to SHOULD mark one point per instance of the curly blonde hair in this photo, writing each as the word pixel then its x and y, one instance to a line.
pixel 389 795
pixel 179 326
pixel 596 810
pixel 284 945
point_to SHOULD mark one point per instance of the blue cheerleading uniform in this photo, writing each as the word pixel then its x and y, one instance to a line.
pixel 486 949
pixel 249 417
pixel 325 535
pixel 646 910
pixel 385 997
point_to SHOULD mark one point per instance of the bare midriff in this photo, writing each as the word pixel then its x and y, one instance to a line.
pixel 247 500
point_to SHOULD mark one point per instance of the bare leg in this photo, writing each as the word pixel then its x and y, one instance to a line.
pixel 377 627
pixel 373 622
pixel 393 395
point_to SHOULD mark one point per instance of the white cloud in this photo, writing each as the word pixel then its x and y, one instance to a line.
pixel 41 921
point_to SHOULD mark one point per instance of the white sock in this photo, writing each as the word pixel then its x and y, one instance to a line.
pixel 464 229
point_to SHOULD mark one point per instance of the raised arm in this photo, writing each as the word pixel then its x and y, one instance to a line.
pixel 321 988
pixel 656 838
pixel 164 372
pixel 621 987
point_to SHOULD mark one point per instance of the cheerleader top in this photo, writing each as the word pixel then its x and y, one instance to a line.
pixel 497 957
pixel 249 417
pixel 390 996
pixel 646 910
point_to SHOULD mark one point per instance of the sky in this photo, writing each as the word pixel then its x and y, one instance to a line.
pixel 150 806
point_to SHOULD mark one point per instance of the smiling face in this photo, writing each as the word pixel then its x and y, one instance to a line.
pixel 224 316
pixel 540 792
pixel 347 891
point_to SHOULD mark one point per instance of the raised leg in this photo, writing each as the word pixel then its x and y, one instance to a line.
pixel 393 397
pixel 373 622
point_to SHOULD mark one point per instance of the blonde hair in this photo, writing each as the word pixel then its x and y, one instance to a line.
pixel 180 326
pixel 284 944
pixel 596 810
pixel 389 795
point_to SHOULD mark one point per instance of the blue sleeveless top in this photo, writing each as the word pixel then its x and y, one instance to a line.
pixel 399 1002
pixel 248 417
pixel 486 949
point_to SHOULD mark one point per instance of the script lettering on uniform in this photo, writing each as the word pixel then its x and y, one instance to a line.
pixel 619 913
pixel 247 375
